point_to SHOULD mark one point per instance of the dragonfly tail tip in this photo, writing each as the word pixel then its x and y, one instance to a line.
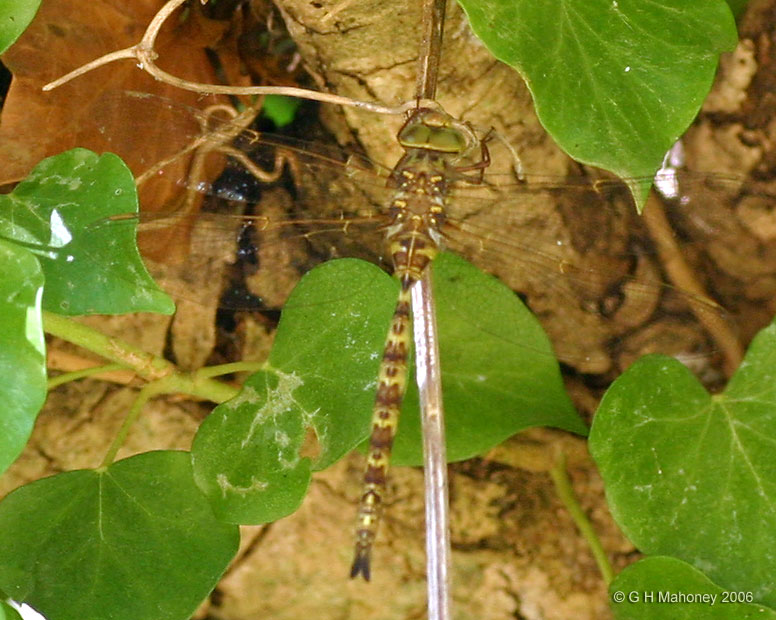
pixel 360 565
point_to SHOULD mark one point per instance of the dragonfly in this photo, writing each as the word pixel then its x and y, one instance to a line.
pixel 434 144
pixel 594 285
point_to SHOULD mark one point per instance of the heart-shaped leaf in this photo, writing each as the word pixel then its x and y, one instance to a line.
pixel 135 540
pixel 662 588
pixel 614 82
pixel 15 16
pixel 692 475
pixel 60 211
pixel 498 373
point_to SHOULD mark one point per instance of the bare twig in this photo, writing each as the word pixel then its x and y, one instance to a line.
pixel 682 275
pixel 144 55
pixel 430 48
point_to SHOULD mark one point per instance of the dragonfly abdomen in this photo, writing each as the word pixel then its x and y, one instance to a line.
pixel 411 252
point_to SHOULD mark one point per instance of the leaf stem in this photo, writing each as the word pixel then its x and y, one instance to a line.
pixel 146 394
pixel 180 382
pixel 227 369
pixel 66 377
pixel 150 367
pixel 566 493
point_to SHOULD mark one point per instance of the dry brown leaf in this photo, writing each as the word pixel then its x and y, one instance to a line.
pixel 66 34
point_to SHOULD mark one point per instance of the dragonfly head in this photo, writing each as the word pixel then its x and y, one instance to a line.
pixel 434 130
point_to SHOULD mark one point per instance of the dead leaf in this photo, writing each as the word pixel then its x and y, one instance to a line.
pixel 66 34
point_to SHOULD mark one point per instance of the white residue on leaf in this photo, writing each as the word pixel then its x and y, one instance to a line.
pixel 248 395
pixel 72 183
pixel 279 400
pixel 228 487
pixel 288 463
pixel 308 417
pixel 644 489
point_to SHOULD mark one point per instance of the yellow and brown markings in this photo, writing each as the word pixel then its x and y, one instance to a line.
pixel 392 380
pixel 411 254
pixel 433 144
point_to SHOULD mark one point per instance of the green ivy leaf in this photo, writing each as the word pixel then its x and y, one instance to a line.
pixel 499 377
pixel 136 540
pixel 656 584
pixel 23 351
pixel 737 6
pixel 499 374
pixel 91 267
pixel 321 374
pixel 614 82
pixel 694 476
pixel 8 613
pixel 15 16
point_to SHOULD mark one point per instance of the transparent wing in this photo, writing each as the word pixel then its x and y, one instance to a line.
pixel 572 245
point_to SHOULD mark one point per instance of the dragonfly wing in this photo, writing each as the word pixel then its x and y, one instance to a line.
pixel 588 269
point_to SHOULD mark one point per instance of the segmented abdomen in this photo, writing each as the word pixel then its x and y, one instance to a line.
pixel 411 253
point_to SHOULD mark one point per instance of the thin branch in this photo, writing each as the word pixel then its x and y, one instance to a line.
pixel 683 276
pixel 227 369
pixel 93 371
pixel 433 20
pixel 146 393
pixel 144 55
pixel 148 366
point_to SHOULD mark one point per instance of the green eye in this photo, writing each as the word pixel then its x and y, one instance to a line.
pixel 415 136
pixel 447 139
pixel 421 136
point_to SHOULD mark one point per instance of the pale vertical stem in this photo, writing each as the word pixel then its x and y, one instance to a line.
pixel 433 22
pixel 429 379
pixel 427 366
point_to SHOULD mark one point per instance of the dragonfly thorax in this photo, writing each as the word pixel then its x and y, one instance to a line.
pixel 421 188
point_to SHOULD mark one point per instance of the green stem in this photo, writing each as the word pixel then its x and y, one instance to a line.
pixel 66 377
pixel 227 369
pixel 146 394
pixel 150 367
pixel 566 493
pixel 184 383
pixel 163 376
